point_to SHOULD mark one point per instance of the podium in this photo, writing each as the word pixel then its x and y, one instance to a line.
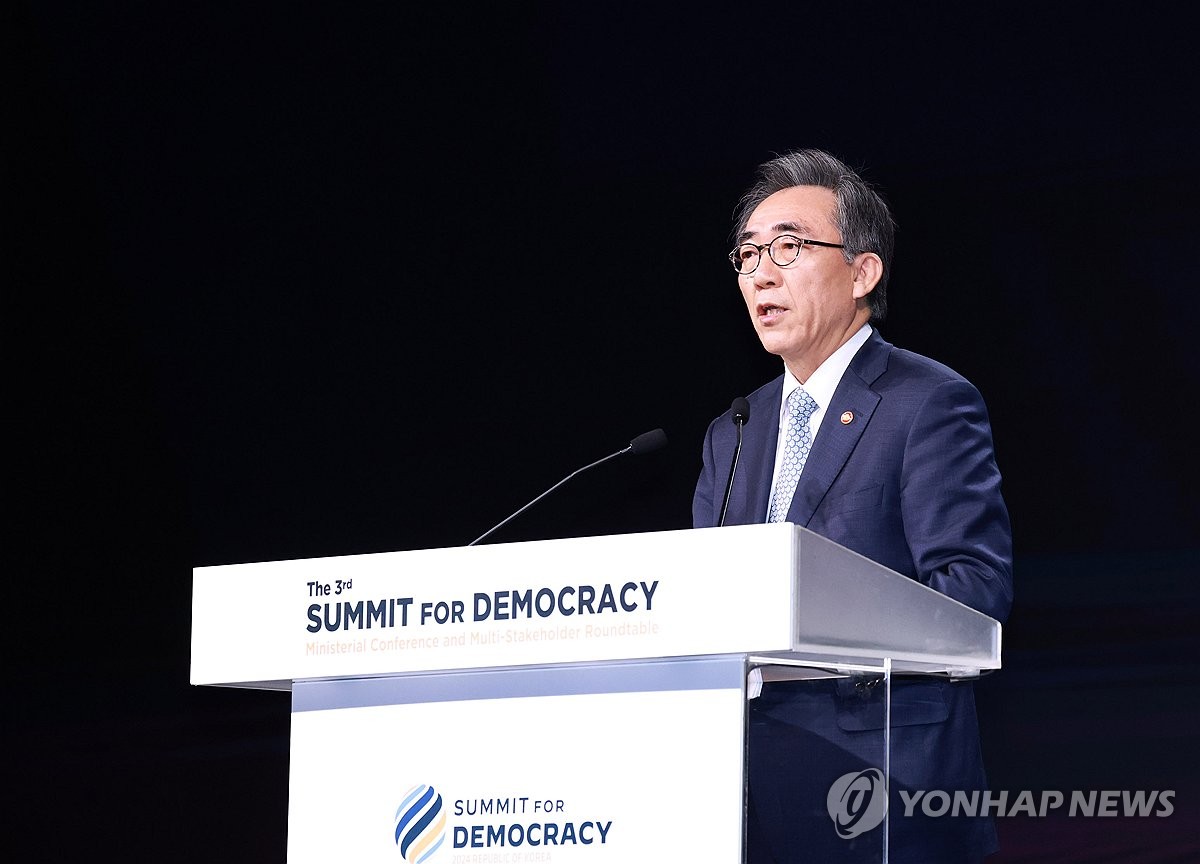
pixel 564 700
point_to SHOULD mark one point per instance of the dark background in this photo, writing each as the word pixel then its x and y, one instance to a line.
pixel 292 280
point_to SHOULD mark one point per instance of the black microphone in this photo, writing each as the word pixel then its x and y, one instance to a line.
pixel 645 443
pixel 741 416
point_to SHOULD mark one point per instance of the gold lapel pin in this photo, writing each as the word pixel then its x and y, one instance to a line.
pixel 847 418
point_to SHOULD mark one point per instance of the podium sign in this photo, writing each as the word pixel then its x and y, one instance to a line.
pixel 666 594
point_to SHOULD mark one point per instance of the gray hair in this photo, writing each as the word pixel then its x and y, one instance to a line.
pixel 861 215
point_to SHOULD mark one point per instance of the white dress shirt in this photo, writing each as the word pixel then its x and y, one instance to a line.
pixel 820 386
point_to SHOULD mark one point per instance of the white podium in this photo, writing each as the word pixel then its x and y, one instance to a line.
pixel 563 700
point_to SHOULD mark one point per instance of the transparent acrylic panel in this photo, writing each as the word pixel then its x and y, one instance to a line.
pixel 818 764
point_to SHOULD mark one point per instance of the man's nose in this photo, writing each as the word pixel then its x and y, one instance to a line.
pixel 766 275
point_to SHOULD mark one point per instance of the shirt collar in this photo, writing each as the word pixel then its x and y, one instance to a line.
pixel 825 379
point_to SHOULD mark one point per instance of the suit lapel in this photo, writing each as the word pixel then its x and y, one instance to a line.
pixel 855 401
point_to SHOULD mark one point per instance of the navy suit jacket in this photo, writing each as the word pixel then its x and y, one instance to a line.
pixel 902 471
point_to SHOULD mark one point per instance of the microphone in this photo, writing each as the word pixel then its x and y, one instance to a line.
pixel 741 416
pixel 645 443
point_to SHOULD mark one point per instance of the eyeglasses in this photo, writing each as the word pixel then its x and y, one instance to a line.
pixel 783 250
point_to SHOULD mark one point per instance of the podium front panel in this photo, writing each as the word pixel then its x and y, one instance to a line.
pixel 638 761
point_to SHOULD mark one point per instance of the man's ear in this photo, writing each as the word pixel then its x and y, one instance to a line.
pixel 868 270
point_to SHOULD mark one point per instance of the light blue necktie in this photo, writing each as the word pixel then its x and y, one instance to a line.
pixel 795 450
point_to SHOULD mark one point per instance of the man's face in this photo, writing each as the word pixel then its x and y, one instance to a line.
pixel 805 310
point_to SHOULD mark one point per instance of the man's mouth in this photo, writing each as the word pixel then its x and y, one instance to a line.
pixel 768 312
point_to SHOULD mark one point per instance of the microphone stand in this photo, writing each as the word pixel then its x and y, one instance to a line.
pixel 645 443
pixel 548 491
pixel 741 411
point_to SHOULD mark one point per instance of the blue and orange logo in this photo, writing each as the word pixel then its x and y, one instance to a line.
pixel 420 824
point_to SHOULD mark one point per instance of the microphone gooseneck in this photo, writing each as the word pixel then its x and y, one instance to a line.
pixel 741 416
pixel 647 442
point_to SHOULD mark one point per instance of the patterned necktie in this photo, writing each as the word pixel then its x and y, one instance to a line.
pixel 795 451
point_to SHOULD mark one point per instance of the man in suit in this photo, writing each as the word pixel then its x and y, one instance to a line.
pixel 887 453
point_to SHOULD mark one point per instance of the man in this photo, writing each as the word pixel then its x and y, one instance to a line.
pixel 887 453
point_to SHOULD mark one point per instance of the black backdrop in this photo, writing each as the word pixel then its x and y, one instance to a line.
pixel 295 280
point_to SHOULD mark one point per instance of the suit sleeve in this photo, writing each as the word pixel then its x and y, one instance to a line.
pixel 955 519
pixel 704 503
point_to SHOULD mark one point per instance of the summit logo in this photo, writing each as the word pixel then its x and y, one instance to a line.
pixel 420 824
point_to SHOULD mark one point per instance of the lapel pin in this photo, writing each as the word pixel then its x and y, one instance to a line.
pixel 847 418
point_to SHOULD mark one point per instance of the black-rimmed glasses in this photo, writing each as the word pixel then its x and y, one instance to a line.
pixel 783 250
